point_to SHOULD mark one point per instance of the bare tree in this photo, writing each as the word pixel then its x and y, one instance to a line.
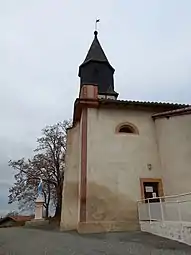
pixel 48 164
pixel 24 190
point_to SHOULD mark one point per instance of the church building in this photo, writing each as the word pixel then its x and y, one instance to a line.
pixel 120 151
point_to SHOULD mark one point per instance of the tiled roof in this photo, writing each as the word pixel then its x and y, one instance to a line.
pixel 176 112
pixel 19 218
pixel 143 103
pixel 22 218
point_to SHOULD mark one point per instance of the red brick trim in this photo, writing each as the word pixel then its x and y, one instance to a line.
pixel 95 92
pixel 83 184
pixel 80 104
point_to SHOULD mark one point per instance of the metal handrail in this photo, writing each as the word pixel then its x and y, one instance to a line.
pixel 172 196
pixel 174 202
pixel 162 202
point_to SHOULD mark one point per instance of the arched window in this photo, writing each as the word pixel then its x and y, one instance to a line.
pixel 127 128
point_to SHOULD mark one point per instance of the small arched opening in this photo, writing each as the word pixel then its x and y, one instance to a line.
pixel 127 128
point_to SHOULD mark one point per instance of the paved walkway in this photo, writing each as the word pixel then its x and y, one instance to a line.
pixel 23 241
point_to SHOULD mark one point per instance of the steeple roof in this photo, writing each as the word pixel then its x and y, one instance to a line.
pixel 97 70
pixel 96 52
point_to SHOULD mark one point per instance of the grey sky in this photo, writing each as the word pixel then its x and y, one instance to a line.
pixel 44 41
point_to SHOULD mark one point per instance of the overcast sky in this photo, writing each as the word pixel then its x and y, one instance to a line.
pixel 44 41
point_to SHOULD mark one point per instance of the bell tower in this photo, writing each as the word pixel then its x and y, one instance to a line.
pixel 96 74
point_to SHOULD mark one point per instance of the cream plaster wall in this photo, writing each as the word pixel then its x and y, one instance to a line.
pixel 70 203
pixel 174 140
pixel 115 163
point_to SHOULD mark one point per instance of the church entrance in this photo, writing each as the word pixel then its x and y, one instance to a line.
pixel 151 188
pixel 151 191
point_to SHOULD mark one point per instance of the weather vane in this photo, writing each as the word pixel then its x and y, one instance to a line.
pixel 97 20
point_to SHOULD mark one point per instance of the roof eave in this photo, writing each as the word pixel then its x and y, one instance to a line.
pixel 95 61
pixel 156 106
pixel 177 112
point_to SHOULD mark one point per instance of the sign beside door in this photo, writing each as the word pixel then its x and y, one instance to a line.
pixel 149 189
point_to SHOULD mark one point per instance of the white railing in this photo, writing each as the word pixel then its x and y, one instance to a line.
pixel 175 208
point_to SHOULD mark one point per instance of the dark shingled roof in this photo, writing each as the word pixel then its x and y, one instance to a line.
pixel 96 52
pixel 97 70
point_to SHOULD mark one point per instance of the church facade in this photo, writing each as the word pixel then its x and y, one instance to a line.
pixel 117 149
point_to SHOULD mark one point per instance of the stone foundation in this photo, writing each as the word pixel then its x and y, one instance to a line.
pixel 109 226
pixel 37 223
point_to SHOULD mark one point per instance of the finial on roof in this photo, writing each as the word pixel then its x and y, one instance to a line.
pixel 96 32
